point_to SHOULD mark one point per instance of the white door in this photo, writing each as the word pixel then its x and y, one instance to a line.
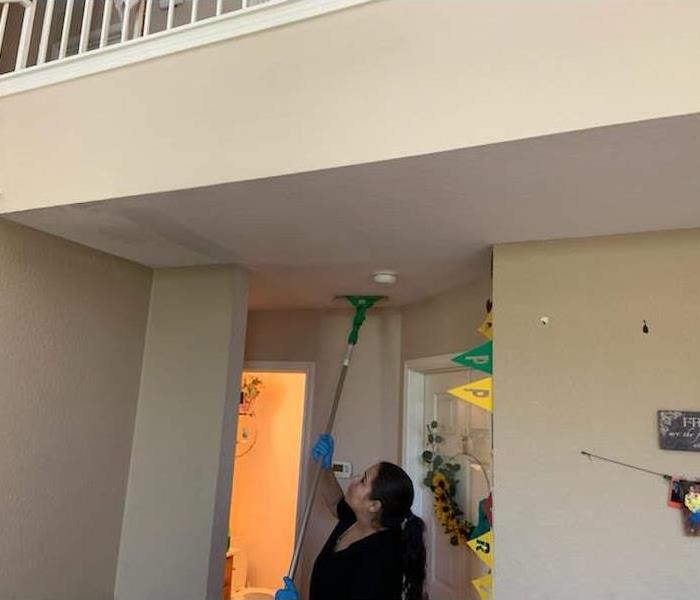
pixel 463 427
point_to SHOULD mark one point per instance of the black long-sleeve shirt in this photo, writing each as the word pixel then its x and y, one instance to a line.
pixel 369 569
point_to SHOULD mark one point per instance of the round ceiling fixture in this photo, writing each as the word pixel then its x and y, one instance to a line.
pixel 385 277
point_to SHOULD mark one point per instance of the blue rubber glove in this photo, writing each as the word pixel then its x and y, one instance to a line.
pixel 289 592
pixel 323 450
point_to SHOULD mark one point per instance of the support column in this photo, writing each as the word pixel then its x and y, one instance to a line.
pixel 175 520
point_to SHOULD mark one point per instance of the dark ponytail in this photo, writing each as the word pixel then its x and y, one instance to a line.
pixel 413 558
pixel 394 489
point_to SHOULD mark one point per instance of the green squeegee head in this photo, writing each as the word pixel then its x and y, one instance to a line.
pixel 362 304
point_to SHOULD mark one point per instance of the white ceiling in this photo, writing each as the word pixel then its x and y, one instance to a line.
pixel 432 218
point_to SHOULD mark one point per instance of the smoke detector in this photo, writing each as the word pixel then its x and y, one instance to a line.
pixel 385 277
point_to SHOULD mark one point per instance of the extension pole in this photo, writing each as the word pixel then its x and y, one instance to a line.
pixel 361 304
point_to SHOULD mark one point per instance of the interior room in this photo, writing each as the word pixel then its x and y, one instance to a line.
pixel 349 295
pixel 266 481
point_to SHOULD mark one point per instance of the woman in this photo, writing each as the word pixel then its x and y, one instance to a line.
pixel 376 551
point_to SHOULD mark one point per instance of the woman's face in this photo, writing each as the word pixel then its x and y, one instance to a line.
pixel 360 490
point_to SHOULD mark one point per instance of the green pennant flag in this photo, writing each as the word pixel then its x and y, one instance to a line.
pixel 480 358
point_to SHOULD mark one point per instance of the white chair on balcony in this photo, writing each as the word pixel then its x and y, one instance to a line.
pixel 120 5
pixel 133 10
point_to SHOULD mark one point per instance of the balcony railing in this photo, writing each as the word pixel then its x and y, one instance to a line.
pixel 47 41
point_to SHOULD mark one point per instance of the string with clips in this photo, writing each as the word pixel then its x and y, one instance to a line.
pixel 591 456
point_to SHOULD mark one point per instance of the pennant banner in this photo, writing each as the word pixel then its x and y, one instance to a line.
pixel 484 586
pixel 480 358
pixel 486 328
pixel 485 518
pixel 478 392
pixel 483 547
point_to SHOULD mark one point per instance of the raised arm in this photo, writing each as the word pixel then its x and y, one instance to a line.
pixel 328 488
pixel 330 491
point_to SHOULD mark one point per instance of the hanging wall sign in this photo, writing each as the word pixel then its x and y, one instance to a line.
pixel 679 430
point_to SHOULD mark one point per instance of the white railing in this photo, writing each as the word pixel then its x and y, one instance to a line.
pixel 47 41
pixel 131 19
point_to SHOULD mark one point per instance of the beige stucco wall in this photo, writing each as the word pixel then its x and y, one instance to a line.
pixel 173 542
pixel 383 80
pixel 367 425
pixel 445 323
pixel 72 323
pixel 567 527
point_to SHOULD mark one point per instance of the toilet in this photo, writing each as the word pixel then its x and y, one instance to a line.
pixel 239 578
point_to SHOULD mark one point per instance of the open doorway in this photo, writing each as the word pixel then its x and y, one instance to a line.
pixel 267 476
pixel 466 430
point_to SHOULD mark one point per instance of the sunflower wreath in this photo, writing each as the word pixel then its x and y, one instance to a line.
pixel 441 480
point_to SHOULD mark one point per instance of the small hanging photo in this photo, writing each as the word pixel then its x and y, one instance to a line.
pixel 691 506
pixel 675 494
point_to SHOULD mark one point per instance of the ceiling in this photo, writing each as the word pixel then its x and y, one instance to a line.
pixel 433 218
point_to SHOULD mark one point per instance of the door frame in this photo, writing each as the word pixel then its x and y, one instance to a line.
pixel 309 369
pixel 413 428
pixel 414 373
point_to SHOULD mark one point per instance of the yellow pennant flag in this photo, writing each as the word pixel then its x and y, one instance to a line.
pixel 478 392
pixel 486 328
pixel 484 586
pixel 483 547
